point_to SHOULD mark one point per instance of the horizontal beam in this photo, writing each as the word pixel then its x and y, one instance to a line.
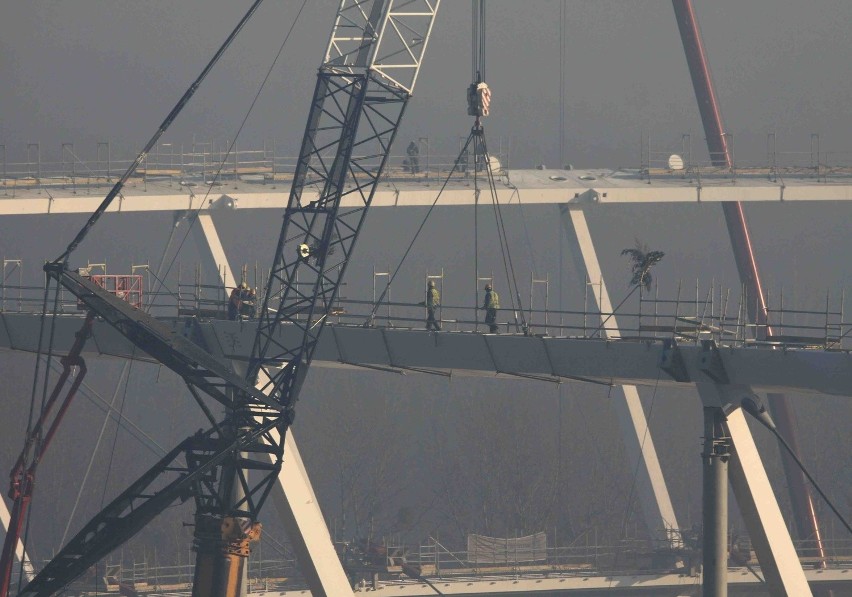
pixel 475 354
pixel 740 581
pixel 531 187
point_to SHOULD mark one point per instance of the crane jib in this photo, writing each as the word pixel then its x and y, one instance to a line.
pixel 180 354
pixel 361 94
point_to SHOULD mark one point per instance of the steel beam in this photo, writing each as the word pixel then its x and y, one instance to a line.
pixel 464 354
pixel 537 187
pixel 293 496
pixel 766 526
pixel 651 485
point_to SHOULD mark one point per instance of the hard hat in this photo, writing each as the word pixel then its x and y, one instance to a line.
pixel 488 287
pixel 431 283
pixel 244 286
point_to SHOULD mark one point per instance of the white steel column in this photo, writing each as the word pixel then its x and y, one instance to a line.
pixel 297 505
pixel 766 526
pixel 207 238
pixel 19 550
pixel 650 483
pixel 294 498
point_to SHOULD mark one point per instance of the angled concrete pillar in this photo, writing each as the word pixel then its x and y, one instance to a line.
pixel 297 505
pixel 766 526
pixel 650 483
pixel 211 249
pixel 294 496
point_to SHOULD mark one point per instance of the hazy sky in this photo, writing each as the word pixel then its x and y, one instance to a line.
pixel 92 70
pixel 97 70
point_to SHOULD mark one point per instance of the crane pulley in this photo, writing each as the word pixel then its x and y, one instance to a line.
pixel 478 99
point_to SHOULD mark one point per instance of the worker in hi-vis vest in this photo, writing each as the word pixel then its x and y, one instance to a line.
pixel 491 304
pixel 433 300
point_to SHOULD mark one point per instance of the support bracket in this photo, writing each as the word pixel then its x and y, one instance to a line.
pixel 671 361
pixel 710 363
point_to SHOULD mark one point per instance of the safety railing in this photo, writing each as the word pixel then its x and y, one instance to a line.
pixel 690 316
pixel 626 556
pixel 582 558
pixel 206 164
pixel 178 166
pixel 678 161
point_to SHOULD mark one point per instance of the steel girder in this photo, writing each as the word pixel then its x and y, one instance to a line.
pixel 163 484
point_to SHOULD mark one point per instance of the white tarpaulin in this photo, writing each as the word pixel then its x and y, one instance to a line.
pixel 496 550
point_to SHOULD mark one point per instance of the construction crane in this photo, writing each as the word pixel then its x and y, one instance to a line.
pixel 368 74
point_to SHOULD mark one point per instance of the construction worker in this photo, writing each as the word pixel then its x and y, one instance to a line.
pixel 247 301
pixel 491 304
pixel 433 300
pixel 234 304
pixel 413 158
pixel 241 302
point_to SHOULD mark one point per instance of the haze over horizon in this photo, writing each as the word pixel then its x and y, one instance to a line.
pixel 86 72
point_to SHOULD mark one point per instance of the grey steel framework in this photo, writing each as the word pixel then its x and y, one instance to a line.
pixel 367 77
pixel 361 94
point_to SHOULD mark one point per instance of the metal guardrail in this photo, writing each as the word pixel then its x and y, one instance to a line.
pixel 205 163
pixel 435 561
pixel 168 166
pixel 679 162
pixel 712 315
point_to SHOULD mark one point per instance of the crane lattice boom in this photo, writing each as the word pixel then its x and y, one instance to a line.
pixel 363 86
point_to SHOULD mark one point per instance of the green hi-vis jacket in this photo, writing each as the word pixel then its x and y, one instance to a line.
pixel 492 300
pixel 433 298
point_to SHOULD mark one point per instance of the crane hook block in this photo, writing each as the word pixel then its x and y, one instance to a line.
pixel 478 99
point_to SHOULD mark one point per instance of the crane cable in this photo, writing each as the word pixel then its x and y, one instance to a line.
pixel 116 191
pixel 477 54
pixel 230 149
pixel 498 215
pixel 476 137
pixel 392 277
pixel 478 40
pixel 480 147
pixel 508 264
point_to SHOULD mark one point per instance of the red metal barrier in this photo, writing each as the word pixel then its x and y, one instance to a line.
pixel 125 287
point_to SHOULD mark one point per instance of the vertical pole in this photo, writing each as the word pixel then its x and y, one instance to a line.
pixel 807 524
pixel 715 505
